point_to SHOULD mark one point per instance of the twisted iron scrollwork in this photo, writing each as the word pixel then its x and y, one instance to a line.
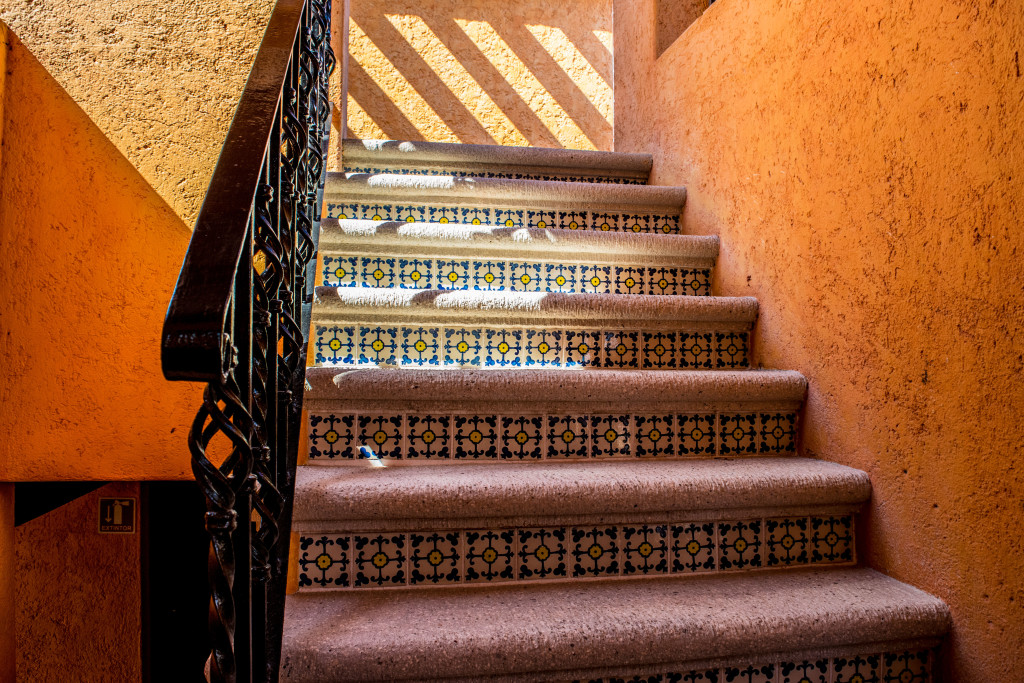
pixel 234 321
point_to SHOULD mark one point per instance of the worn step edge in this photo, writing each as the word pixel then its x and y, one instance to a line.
pixel 633 311
pixel 559 629
pixel 505 491
pixel 557 389
pixel 502 192
pixel 567 246
pixel 397 154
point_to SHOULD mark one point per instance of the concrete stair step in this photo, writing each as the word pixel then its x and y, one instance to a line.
pixel 493 161
pixel 504 202
pixel 822 624
pixel 554 414
pixel 361 253
pixel 469 328
pixel 417 527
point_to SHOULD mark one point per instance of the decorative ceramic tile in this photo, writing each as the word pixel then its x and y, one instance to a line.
pixel 332 436
pixel 410 214
pixel 572 220
pixel 421 346
pixel 415 273
pixel 504 348
pixel 581 348
pixel 595 551
pixel 621 350
pixel 543 553
pixel 740 544
pixel 559 277
pixel 762 673
pixel 378 345
pixel 737 434
pixel 604 222
pixel 453 274
pixel 731 349
pixel 490 275
pixel 693 547
pixel 442 214
pixel 636 223
pixel 778 432
pixel 522 437
pixel 434 558
pixel 832 539
pixel 655 436
pixel 509 218
pixel 476 216
pixel 463 347
pixel 804 671
pixel 543 347
pixel 476 436
pixel 379 560
pixel 630 280
pixel 665 225
pixel 383 434
pixel 609 436
pixel 526 277
pixel 541 219
pixel 335 345
pixel 665 281
pixel 660 350
pixel 490 555
pixel 428 436
pixel 703 676
pixel 323 562
pixel 906 667
pixel 698 282
pixel 695 349
pixel 595 279
pixel 340 271
pixel 856 669
pixel 376 212
pixel 696 434
pixel 645 549
pixel 786 540
pixel 567 436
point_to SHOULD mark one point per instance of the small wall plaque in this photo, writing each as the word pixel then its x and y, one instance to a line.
pixel 117 515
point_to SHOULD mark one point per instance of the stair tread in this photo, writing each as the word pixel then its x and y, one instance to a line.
pixel 526 629
pixel 405 154
pixel 577 488
pixel 435 190
pixel 332 302
pixel 568 244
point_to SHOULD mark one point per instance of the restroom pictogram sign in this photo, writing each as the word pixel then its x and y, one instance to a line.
pixel 117 515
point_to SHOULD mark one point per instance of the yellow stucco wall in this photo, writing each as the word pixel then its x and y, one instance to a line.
pixel 864 167
pixel 160 79
pixel 532 73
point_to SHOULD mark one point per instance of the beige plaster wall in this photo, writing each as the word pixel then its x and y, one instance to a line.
pixel 864 167
pixel 534 72
pixel 160 79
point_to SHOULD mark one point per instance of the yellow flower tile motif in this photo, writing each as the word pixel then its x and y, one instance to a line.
pixel 490 275
pixel 595 551
pixel 476 437
pixel 379 560
pixel 568 436
pixel 490 556
pixel 655 436
pixel 526 277
pixel 543 220
pixel 645 549
pixel 543 553
pixel 383 434
pixel 610 436
pixel 740 544
pixel 434 558
pixel 786 541
pixel 582 348
pixel 429 436
pixel 323 562
pixel 693 547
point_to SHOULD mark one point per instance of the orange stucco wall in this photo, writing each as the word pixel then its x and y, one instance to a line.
pixel 533 72
pixel 864 166
pixel 92 254
pixel 78 595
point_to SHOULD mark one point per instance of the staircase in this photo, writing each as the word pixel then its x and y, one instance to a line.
pixel 538 450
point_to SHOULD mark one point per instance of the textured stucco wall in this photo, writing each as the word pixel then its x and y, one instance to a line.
pixel 864 166
pixel 92 256
pixel 533 73
pixel 78 595
pixel 160 79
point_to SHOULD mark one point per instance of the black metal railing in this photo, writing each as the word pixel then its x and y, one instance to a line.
pixel 239 321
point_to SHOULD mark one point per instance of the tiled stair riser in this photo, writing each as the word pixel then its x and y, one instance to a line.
pixel 510 347
pixel 511 175
pixel 900 666
pixel 510 218
pixel 512 275
pixel 567 553
pixel 418 437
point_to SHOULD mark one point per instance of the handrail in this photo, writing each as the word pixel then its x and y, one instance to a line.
pixel 238 320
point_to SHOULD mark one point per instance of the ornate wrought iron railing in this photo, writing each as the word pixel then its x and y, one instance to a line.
pixel 239 320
